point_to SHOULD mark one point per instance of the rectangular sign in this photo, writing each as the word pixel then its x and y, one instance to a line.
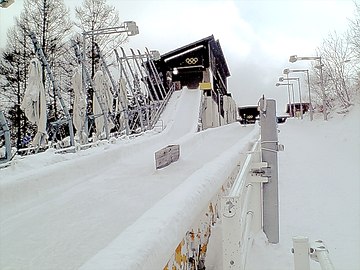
pixel 167 155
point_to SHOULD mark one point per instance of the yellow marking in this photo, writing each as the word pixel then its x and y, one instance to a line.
pixel 205 86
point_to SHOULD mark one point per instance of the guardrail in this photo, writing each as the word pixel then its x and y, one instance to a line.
pixel 252 203
pixel 242 210
pixel 241 204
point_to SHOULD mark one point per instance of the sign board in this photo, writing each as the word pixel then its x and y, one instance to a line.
pixel 167 155
pixel 205 86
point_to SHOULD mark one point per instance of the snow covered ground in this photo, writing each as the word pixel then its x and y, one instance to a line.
pixel 67 211
pixel 319 186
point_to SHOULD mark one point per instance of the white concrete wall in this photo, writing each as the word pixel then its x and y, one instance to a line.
pixel 210 116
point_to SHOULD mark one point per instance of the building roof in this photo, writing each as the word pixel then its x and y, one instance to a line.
pixel 214 46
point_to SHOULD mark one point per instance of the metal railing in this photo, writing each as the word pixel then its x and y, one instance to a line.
pixel 303 252
pixel 242 211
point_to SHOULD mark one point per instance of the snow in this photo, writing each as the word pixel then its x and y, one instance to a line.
pixel 319 186
pixel 108 208
pixel 59 211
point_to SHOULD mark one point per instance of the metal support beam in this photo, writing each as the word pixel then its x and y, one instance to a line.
pixel 135 94
pixel 115 89
pixel 269 148
pixel 88 80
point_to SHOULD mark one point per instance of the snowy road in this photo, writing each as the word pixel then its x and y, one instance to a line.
pixel 60 215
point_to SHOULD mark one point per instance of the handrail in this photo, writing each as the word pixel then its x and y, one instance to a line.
pixel 241 211
pixel 302 251
pixel 162 106
pixel 238 185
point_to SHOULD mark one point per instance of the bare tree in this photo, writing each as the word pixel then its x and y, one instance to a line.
pixel 338 72
pixel 50 20
pixel 354 30
pixel 95 15
pixel 13 70
pixel 336 53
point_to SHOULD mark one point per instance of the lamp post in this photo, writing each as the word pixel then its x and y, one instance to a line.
pixel 281 79
pixel 128 27
pixel 294 58
pixel 289 96
pixel 287 71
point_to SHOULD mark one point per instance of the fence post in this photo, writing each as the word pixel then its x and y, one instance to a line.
pixel 269 148
pixel 301 253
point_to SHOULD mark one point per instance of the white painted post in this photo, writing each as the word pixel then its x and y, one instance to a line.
pixel 301 253
pixel 231 232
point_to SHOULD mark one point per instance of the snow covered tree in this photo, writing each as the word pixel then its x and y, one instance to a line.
pixel 336 56
pixel 355 44
pixel 355 31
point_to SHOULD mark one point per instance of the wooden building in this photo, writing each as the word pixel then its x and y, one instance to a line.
pixel 198 62
pixel 202 65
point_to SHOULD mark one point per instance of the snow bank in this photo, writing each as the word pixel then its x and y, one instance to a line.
pixel 319 191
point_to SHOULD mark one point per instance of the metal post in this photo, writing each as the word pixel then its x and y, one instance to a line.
pixel 148 74
pixel 157 76
pixel 290 104
pixel 289 96
pixel 115 90
pixel 135 94
pixel 301 106
pixel 311 107
pixel 293 103
pixel 90 83
pixel 269 148
pixel 323 91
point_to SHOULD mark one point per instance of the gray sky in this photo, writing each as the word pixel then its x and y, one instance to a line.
pixel 257 36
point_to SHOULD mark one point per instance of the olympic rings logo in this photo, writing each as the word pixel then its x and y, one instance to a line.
pixel 192 60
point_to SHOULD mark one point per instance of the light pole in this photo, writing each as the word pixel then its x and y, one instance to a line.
pixel 289 96
pixel 128 27
pixel 294 58
pixel 281 79
pixel 287 71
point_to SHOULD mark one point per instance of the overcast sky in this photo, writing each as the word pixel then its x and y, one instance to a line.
pixel 257 36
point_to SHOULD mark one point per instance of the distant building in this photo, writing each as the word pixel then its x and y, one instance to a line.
pixel 202 65
pixel 296 108
pixel 248 114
